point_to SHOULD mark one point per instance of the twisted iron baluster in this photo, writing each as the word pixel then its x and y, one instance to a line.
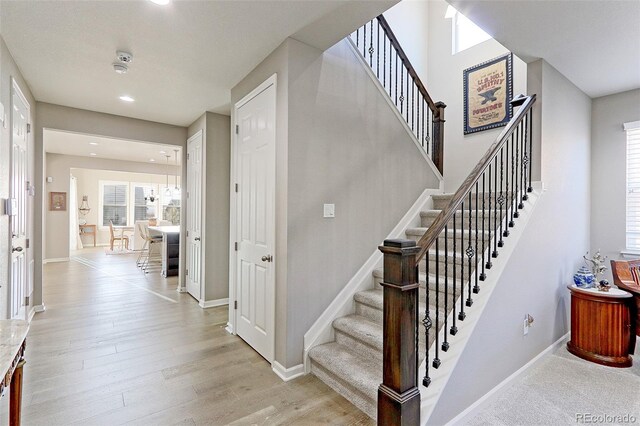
pixel 461 314
pixel 469 252
pixel 426 322
pixel 454 329
pixel 476 288
pixel 445 344
pixel 436 360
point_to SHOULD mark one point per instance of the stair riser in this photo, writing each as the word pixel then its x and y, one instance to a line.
pixel 463 224
pixel 357 398
pixel 422 293
pixel 461 241
pixel 369 312
pixel 441 203
pixel 358 346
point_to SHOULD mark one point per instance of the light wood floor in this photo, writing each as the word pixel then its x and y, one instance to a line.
pixel 115 346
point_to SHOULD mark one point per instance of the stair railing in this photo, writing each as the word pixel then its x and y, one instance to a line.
pixel 476 221
pixel 388 61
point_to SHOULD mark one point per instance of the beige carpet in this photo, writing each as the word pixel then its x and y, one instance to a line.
pixel 563 389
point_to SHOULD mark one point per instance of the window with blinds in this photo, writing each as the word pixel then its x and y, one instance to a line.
pixel 143 207
pixel 114 204
pixel 633 185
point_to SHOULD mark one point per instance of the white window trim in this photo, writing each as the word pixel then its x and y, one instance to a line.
pixel 455 15
pixel 632 126
pixel 101 185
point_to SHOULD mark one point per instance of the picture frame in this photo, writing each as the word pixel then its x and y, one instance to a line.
pixel 57 201
pixel 488 90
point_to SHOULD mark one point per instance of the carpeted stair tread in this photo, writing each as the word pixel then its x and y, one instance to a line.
pixel 378 273
pixel 374 298
pixel 420 231
pixel 361 329
pixel 354 371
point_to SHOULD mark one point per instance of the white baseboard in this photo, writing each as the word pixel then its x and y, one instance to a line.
pixel 32 313
pixel 213 303
pixel 39 308
pixel 181 289
pixel 229 328
pixel 287 374
pixel 322 331
pixel 504 385
pixel 56 259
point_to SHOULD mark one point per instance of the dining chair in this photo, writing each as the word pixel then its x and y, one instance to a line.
pixel 113 238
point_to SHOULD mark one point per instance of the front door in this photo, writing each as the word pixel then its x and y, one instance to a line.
pixel 255 218
pixel 18 203
pixel 194 216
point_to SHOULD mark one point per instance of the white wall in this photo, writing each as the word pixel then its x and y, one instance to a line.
pixel 339 142
pixel 445 83
pixel 545 259
pixel 56 237
pixel 608 170
pixel 9 70
pixel 409 21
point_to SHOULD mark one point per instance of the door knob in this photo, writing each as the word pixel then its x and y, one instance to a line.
pixel 18 249
pixel 267 258
pixel 197 238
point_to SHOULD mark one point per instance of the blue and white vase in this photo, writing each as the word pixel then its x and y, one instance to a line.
pixel 584 278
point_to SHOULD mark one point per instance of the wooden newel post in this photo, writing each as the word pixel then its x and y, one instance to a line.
pixel 398 395
pixel 438 137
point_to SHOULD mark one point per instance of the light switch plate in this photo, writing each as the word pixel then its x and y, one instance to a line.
pixel 329 210
pixel 49 179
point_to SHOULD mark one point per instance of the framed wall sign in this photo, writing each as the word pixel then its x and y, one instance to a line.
pixel 488 89
pixel 57 201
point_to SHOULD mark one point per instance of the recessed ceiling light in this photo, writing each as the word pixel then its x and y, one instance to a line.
pixel 163 152
pixel 152 160
pixel 161 2
pixel 93 143
pixel 126 98
pixel 93 154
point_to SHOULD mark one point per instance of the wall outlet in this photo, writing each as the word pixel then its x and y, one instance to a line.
pixel 49 179
pixel 329 210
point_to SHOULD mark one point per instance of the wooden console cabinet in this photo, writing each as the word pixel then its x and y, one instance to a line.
pixel 601 326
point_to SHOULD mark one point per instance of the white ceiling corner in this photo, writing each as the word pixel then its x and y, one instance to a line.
pixel 595 44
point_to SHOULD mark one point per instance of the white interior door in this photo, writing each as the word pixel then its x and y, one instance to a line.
pixel 18 194
pixel 194 216
pixel 255 219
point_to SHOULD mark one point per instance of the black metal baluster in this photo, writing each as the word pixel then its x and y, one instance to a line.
pixel 384 59
pixel 378 52
pixel 530 188
pixel 469 253
pixel 436 360
pixel 413 105
pixel 489 265
pixel 516 169
pixel 364 42
pixel 421 138
pixel 445 344
pixel 511 194
pixel 505 233
pixel 521 189
pixel 426 322
pixel 494 254
pixel 371 46
pixel 483 275
pixel 461 314
pixel 358 37
pixel 396 79
pixel 476 287
pixel 402 90
pixel 453 329
pixel 501 198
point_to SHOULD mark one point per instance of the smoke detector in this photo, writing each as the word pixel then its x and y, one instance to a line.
pixel 124 57
pixel 120 68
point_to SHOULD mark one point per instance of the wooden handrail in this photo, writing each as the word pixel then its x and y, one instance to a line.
pixel 438 225
pixel 407 63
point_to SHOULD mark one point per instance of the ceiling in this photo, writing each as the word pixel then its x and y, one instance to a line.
pixel 82 145
pixel 187 55
pixel 595 44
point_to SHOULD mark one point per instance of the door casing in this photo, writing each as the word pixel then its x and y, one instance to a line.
pixel 233 291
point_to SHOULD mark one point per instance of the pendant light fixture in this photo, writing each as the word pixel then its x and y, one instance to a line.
pixel 84 206
pixel 176 189
pixel 167 190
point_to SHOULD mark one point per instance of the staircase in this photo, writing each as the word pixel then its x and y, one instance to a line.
pixel 401 327
pixel 352 364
